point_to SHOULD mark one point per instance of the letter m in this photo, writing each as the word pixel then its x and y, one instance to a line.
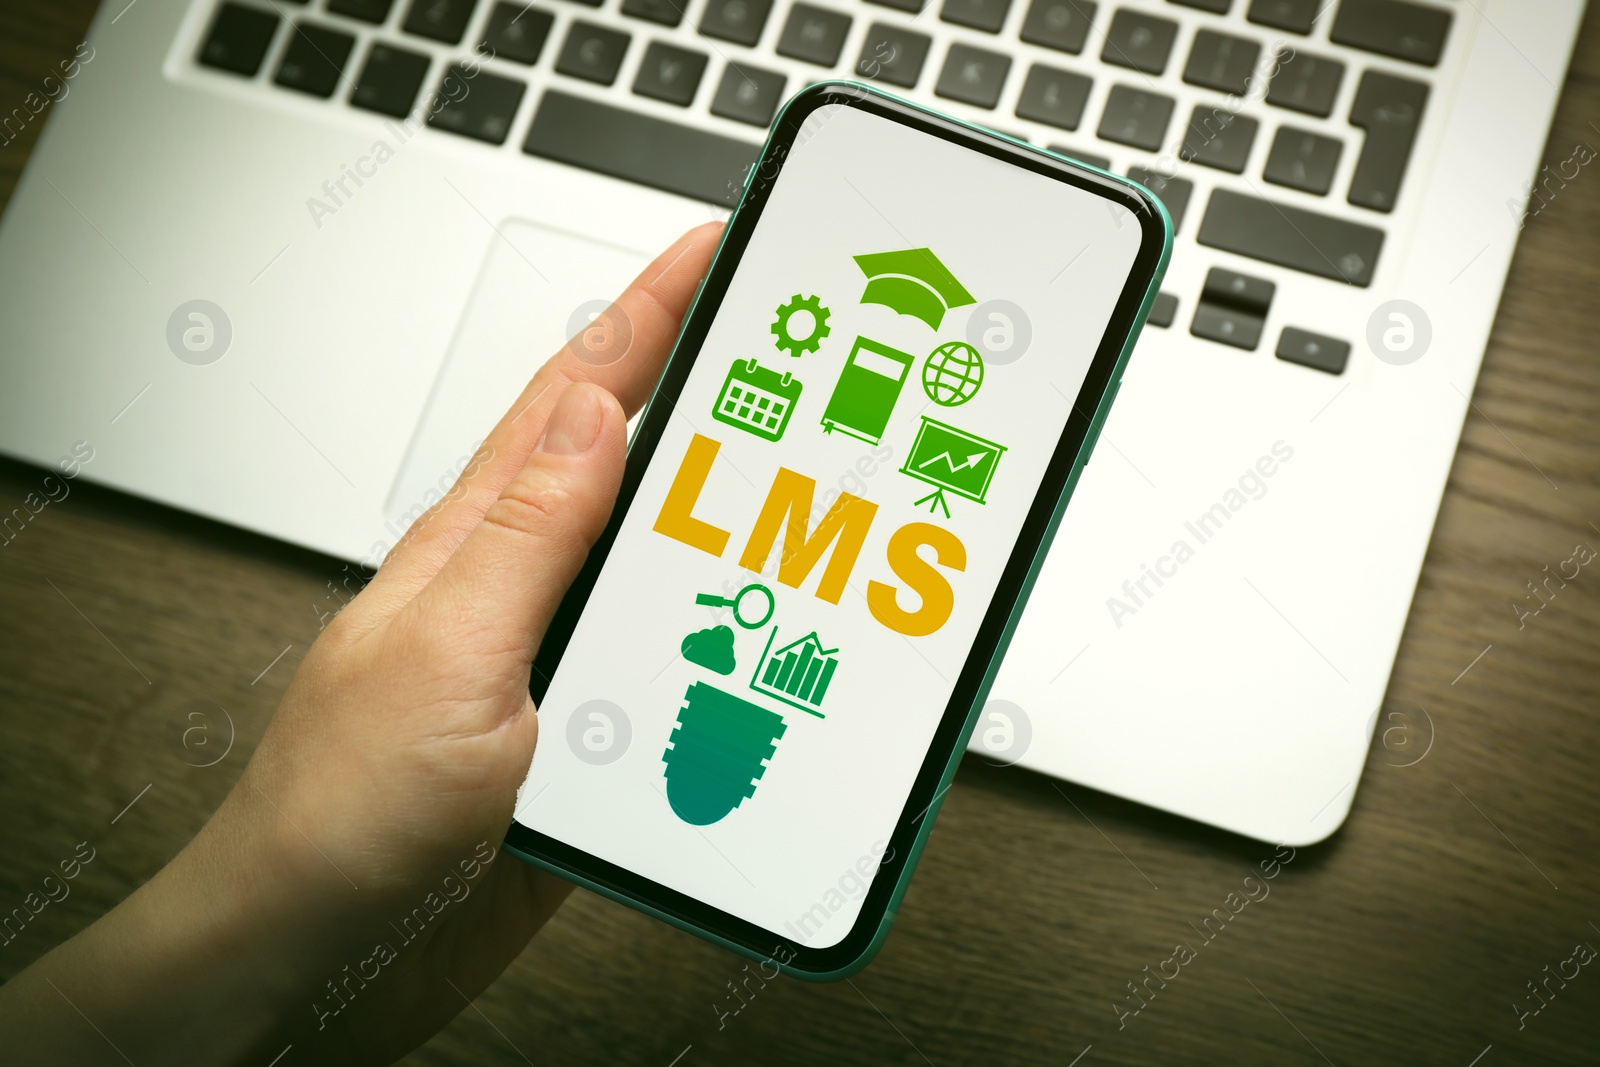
pixel 845 527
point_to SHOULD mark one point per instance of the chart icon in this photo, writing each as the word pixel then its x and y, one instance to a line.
pixel 797 673
pixel 869 384
pixel 756 400
pixel 953 461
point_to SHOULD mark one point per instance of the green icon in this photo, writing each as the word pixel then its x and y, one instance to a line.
pixel 912 282
pixel 951 460
pixel 798 673
pixel 812 318
pixel 711 648
pixel 715 601
pixel 868 387
pixel 717 753
pixel 952 373
pixel 756 400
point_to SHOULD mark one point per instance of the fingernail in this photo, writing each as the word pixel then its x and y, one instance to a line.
pixel 574 423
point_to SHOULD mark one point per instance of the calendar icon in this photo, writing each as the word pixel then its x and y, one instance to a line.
pixel 757 400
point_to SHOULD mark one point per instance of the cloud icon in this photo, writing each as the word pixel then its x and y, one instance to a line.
pixel 712 649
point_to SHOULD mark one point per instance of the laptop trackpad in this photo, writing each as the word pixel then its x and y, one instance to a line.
pixel 535 285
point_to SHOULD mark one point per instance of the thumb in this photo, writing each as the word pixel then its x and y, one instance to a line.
pixel 498 592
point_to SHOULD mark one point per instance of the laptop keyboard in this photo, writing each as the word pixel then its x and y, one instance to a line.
pixel 721 69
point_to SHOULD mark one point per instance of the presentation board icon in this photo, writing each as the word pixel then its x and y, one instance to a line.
pixel 952 461
pixel 756 399
pixel 797 673
pixel 717 753
pixel 912 282
pixel 868 386
pixel 952 374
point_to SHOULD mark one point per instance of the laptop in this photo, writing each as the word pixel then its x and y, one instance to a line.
pixel 282 263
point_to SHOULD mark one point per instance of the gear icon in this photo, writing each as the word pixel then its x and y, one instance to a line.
pixel 799 346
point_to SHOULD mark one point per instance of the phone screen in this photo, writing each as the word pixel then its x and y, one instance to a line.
pixel 753 684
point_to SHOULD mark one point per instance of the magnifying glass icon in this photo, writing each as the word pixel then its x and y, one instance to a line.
pixel 715 601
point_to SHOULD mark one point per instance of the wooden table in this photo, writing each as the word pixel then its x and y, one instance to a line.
pixel 1407 938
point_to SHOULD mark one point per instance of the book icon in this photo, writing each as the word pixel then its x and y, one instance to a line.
pixel 756 400
pixel 797 673
pixel 869 384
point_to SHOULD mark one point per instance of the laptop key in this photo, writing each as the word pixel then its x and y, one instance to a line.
pixel 390 81
pixel 1393 28
pixel 1219 138
pixel 1218 61
pixel 365 10
pixel 1239 290
pixel 1053 96
pixel 670 73
pixel 441 20
pixel 1313 350
pixel 593 53
pixel 1220 7
pixel 1082 157
pixel 1135 117
pixel 813 34
pixel 238 39
pixel 973 76
pixel 748 94
pixel 1227 325
pixel 665 12
pixel 516 32
pixel 1303 160
pixel 1305 83
pixel 1059 24
pixel 1390 110
pixel 1233 308
pixel 986 15
pixel 314 60
pixel 476 105
pixel 640 148
pixel 1140 41
pixel 893 55
pixel 1296 16
pixel 913 6
pixel 1163 310
pixel 1291 237
pixel 1174 193
pixel 739 21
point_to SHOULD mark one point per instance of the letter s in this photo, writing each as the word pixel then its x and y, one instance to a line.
pixel 938 600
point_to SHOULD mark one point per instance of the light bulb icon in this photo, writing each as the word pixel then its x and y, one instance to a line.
pixel 717 753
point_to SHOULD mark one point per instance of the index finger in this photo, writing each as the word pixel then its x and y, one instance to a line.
pixel 623 354
pixel 625 346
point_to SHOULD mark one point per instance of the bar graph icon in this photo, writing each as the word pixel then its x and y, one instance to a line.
pixel 797 673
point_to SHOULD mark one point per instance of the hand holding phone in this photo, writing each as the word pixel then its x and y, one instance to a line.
pixel 756 693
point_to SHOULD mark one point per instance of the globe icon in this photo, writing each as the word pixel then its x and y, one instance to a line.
pixel 952 373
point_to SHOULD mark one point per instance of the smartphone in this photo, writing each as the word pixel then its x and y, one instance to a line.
pixel 757 691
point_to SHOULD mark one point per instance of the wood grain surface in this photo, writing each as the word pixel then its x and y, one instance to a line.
pixel 1407 938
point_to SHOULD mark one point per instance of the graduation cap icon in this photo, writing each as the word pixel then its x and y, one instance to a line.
pixel 912 282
